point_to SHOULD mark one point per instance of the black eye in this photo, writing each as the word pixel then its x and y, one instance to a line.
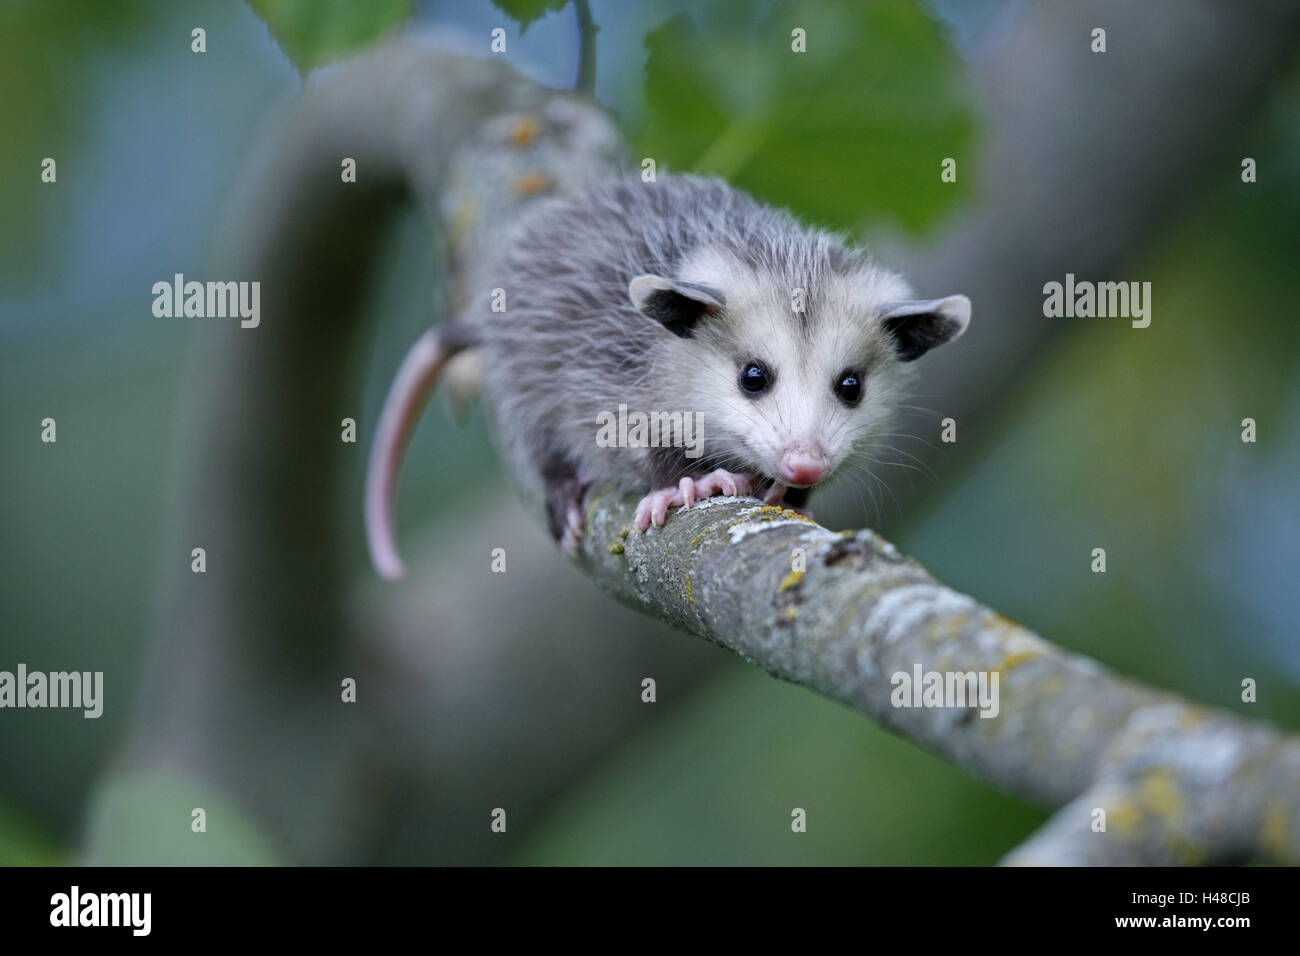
pixel 755 378
pixel 849 387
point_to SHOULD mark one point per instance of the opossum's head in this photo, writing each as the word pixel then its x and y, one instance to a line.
pixel 794 363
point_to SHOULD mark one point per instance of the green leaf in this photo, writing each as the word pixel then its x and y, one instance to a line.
pixel 857 125
pixel 525 12
pixel 145 819
pixel 313 32
pixel 23 842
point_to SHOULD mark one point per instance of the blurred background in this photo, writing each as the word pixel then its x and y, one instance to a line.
pixel 522 690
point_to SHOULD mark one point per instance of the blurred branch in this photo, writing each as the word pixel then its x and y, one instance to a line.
pixel 252 652
pixel 1179 783
pixel 587 29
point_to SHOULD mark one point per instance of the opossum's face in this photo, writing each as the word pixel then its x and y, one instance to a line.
pixel 792 381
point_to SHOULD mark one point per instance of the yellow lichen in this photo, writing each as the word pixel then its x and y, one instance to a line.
pixel 773 512
pixel 790 613
pixel 1052 685
pixel 616 548
pixel 1124 818
pixel 462 219
pixel 690 591
pixel 524 131
pixel 697 539
pixel 1158 793
pixel 998 620
pixel 946 627
pixel 532 183
pixel 791 580
pixel 1015 659
pixel 1274 831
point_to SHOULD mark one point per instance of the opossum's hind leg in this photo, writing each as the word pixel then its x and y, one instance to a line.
pixel 406 397
pixel 564 490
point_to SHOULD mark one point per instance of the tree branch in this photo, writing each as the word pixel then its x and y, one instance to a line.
pixel 251 652
pixel 585 82
pixel 1178 782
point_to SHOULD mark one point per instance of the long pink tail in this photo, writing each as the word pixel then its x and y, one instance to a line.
pixel 406 398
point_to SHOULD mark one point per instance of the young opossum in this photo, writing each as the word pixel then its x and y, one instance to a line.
pixel 677 296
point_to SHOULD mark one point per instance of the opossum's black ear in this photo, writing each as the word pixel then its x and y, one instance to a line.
pixel 919 326
pixel 677 305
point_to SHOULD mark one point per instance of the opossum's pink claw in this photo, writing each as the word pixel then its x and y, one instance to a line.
pixel 729 483
pixel 653 508
pixel 687 488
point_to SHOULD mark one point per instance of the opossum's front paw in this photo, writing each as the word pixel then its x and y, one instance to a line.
pixel 723 482
pixel 653 508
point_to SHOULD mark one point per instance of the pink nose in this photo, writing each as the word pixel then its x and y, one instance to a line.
pixel 802 467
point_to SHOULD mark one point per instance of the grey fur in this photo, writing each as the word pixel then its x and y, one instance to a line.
pixel 571 344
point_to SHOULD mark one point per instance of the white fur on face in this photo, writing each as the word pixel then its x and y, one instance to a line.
pixel 806 359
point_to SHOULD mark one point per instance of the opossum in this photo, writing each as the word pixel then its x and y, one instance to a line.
pixel 786 344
